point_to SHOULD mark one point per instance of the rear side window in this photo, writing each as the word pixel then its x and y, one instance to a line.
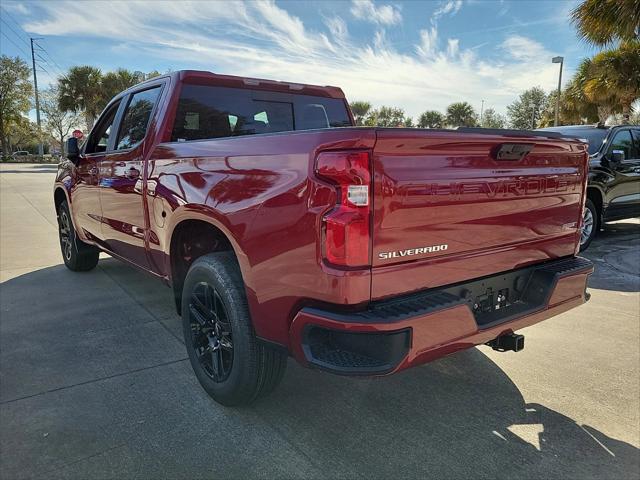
pixel 215 112
pixel 136 118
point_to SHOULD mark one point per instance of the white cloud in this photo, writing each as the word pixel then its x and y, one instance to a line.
pixel 428 47
pixel 450 7
pixel 523 48
pixel 264 40
pixel 380 14
pixel 453 47
pixel 16 8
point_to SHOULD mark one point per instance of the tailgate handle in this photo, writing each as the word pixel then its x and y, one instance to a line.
pixel 511 151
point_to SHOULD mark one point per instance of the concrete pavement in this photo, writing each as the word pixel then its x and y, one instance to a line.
pixel 94 383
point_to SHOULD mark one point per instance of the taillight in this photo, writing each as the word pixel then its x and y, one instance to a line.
pixel 346 227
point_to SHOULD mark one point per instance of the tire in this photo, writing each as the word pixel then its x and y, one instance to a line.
pixel 590 224
pixel 230 363
pixel 77 255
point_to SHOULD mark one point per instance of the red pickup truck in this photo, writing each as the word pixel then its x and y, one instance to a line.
pixel 284 230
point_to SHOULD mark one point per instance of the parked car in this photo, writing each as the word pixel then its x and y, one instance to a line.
pixel 20 155
pixel 284 230
pixel 613 192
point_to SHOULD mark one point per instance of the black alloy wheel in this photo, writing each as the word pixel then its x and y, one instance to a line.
pixel 233 366
pixel 211 332
pixel 66 239
pixel 77 255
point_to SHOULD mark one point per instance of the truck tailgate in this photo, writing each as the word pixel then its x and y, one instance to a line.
pixel 448 209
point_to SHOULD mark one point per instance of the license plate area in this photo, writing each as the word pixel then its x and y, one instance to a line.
pixel 495 299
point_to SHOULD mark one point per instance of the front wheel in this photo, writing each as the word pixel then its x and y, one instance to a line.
pixel 230 363
pixel 77 255
pixel 590 224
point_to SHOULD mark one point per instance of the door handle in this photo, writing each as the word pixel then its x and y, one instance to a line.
pixel 132 173
pixel 120 164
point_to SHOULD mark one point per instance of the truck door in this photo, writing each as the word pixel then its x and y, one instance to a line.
pixel 85 197
pixel 124 223
pixel 624 196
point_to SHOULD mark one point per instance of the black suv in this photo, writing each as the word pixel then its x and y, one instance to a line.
pixel 613 192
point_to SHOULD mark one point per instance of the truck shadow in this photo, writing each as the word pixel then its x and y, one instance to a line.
pixel 459 417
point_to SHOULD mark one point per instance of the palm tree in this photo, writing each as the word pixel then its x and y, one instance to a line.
pixel 360 111
pixel 431 119
pixel 576 103
pixel 113 83
pixel 461 114
pixel 603 22
pixel 79 90
pixel 616 73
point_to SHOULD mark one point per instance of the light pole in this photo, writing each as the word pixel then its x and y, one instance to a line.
pixel 481 112
pixel 559 60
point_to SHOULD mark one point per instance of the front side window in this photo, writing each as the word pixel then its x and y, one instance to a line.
pixel 136 118
pixel 99 139
pixel 213 112
pixel 623 141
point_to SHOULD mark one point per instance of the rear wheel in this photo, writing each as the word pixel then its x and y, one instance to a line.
pixel 230 363
pixel 77 255
pixel 590 224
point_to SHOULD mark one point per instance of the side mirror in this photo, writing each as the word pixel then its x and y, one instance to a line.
pixel 73 150
pixel 616 157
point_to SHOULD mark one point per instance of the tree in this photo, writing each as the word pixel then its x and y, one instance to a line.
pixel 408 122
pixel 491 119
pixel 58 122
pixel 112 83
pixel 80 91
pixel 461 114
pixel 387 117
pixel 24 134
pixel 526 112
pixel 578 106
pixel 616 73
pixel 15 95
pixel 360 111
pixel 431 119
pixel 603 22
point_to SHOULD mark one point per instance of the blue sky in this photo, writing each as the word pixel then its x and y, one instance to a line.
pixel 417 55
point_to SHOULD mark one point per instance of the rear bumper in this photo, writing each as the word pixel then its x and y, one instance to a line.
pixel 402 332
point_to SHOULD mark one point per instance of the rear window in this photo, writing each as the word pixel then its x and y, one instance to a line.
pixel 215 112
pixel 595 136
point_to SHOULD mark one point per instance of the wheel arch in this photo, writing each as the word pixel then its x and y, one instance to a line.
pixel 597 197
pixel 60 195
pixel 196 231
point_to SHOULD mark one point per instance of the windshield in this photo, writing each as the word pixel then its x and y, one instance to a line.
pixel 595 136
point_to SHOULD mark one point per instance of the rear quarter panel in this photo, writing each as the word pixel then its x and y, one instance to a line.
pixel 261 192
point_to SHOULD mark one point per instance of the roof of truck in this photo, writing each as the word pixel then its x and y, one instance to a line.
pixel 210 78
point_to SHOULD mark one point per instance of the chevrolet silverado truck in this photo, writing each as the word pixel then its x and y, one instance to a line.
pixel 283 230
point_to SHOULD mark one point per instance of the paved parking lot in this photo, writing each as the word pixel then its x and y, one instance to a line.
pixel 94 383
